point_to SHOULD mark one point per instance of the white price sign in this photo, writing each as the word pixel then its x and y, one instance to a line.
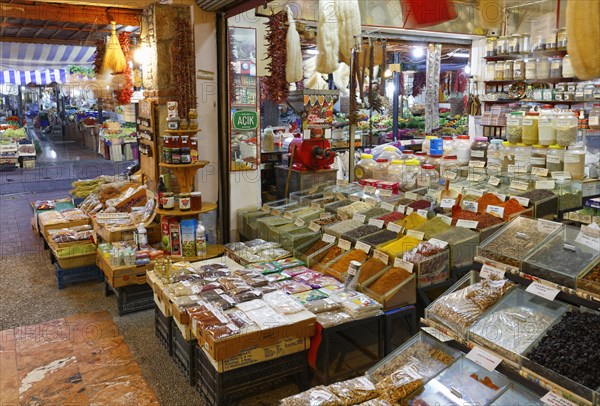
pixel 517 168
pixel 393 227
pixel 359 217
pixel 299 223
pixel 470 206
pixel 467 224
pixel 475 177
pixel 545 184
pixel 354 198
pixel 519 185
pixel 419 235
pixel 500 196
pixel 382 256
pixel 474 192
pixel 363 246
pixel 544 291
pixel 476 164
pixel 437 334
pixel 543 172
pixel 446 219
pixel 409 210
pixel 315 206
pixel 276 212
pixel 560 175
pixel 423 213
pixel 494 181
pixel 328 238
pixel 344 244
pixel 407 266
pixel 370 189
pixel 314 227
pixel 265 208
pixel 411 196
pixel 447 203
pixel 483 358
pixel 588 239
pixel 376 223
pixel 401 208
pixel 495 211
pixel 553 399
pixel 523 201
pixel 288 215
pixel 387 206
pixel 385 192
pixel 438 243
pixel 489 272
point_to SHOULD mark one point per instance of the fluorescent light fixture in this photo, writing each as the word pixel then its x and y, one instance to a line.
pixel 461 55
pixel 468 69
pixel 390 88
pixel 418 52
pixel 312 51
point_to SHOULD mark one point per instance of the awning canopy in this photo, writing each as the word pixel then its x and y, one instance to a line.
pixel 39 57
pixel 38 77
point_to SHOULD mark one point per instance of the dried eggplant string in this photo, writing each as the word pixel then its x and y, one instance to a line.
pixel 276 83
pixel 183 66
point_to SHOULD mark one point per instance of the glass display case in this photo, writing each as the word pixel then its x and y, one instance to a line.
pixel 517 395
pixel 562 259
pixel 463 245
pixel 590 282
pixel 515 322
pixel 514 242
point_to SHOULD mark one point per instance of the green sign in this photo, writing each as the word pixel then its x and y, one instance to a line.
pixel 245 120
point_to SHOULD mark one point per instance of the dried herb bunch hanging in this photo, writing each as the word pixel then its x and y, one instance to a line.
pixel 184 66
pixel 99 56
pixel 277 86
pixel 125 91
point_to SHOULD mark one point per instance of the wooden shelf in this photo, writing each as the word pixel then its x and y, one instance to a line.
pixel 195 165
pixel 146 142
pixel 212 251
pixel 540 101
pixel 144 128
pixel 510 57
pixel 183 131
pixel 206 207
pixel 548 80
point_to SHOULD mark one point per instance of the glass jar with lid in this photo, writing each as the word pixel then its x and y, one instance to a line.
pixel 426 146
pixel 499 73
pixel 556 66
pixel 569 194
pixel 594 118
pixel 588 91
pixel 490 70
pixel 448 145
pixel 494 155
pixel 523 156
pixel 364 169
pixel 421 157
pixel 555 158
pixel 542 68
pixel 381 168
pixel 514 129
pixel 508 154
pixel 567 67
pixel 409 177
pixel 530 128
pixel 566 129
pixel 514 44
pixel 531 69
pixel 395 171
pixel 538 156
pixel 551 40
pixel 575 161
pixel 596 93
pixel 428 176
pixel 508 70
pixel 519 69
pixel 435 160
pixel 490 46
pixel 561 39
pixel 502 45
pixel 539 43
pixel 525 46
pixel 479 149
pixel 449 167
pixel 462 147
pixel 546 130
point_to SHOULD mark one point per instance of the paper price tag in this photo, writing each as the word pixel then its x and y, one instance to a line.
pixel 306 134
pixel 544 291
pixel 523 201
pixel 470 206
pixel 340 196
pixel 483 358
pixel 411 196
pixel 385 192
pixel 265 208
pixel 328 238
pixel 387 206
pixel 382 256
pixel 394 228
pixel 400 263
pixel 423 213
pixel 474 192
pixel 589 240
pixel 343 216
pixel 438 243
pixel 409 210
pixel 371 201
pixel 475 177
pixel 545 184
pixel 401 208
pixel 517 168
pixel 543 172
pixel 476 164
pixel 560 175
pixel 419 235
pixel 494 181
pixel 495 211
pixel 354 198
pixel 315 206
pixel 376 223
pixel 299 223
pixel 494 167
pixel 547 226
pixel 553 399
pixel 450 175
pixel 344 244
pixel 288 215
pixel 314 227
pixel 489 272
pixel 500 196
pixel 370 189
pixel 359 217
pixel 342 182
pixel 519 185
pixel 467 224
pixel 363 247
pixel 437 334
pixel 447 203
pixel 324 216
pixel 446 219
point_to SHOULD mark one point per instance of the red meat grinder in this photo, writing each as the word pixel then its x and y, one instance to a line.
pixel 311 154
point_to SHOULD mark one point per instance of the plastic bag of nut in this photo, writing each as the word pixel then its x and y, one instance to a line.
pixel 354 391
pixel 317 396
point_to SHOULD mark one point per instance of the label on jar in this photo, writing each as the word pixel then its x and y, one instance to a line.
pixel 407 266
pixel 450 175
pixel 447 203
pixel 595 121
pixel 545 184
pixel 314 227
pixel 494 181
pixel 544 122
pixel 344 244
pixel 370 189
pixel 470 206
pixel 401 208
pixel 411 196
pixel 385 192
pixel 475 177
pixel 527 122
pixel 523 201
pixel 445 219
pixel 394 228
pixel 477 164
pixel 560 175
pixel 477 153
pixel 513 122
pixel 377 223
pixel 363 246
pixel 419 235
pixel 495 211
pixel 517 168
pixel 387 206
pixel 359 217
pixel 328 238
pixel 467 224
pixel 553 159
pixel 299 223
pixel 543 172
pixel 382 256
pixel 572 158
pixel 538 161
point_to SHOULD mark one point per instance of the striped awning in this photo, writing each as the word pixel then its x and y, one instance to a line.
pixel 39 77
pixel 40 57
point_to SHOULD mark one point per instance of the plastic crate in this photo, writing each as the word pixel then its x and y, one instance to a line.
pixel 134 298
pixel 183 353
pixel 162 329
pixel 223 388
pixel 67 277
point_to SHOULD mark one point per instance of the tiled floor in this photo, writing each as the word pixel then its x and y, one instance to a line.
pixel 76 360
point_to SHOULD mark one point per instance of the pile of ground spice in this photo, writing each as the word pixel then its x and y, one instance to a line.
pixel 389 280
pixel 488 199
pixel 369 269
pixel 391 217
pixel 511 206
pixel 339 268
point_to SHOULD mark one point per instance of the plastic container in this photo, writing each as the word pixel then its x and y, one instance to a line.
pixel 594 118
pixel 567 68
pixel 435 160
pixel 381 168
pixel 508 70
pixel 546 128
pixel 479 149
pixel 462 147
pixel 575 162
pixel 508 154
pixel 525 46
pixel 514 127
pixel 395 171
pixel 530 128
pixel 523 156
pixel 519 69
pixel 389 154
pixel 542 68
pixel 551 39
pixel 426 147
pixel 561 39
pixel 502 45
pixel 490 46
pixel 409 177
pixel 494 154
pixel 566 129
pixel 514 44
pixel 539 43
pixel 448 145
pixel 490 70
pixel 556 66
pixel 428 176
pixel 555 158
pixel 531 69
pixel 449 167
pixel 538 156
pixel 499 72
pixel 365 167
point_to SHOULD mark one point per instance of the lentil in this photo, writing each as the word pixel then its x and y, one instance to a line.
pixel 389 280
pixel 360 232
pixel 379 238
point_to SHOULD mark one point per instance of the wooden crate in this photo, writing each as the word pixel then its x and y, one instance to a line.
pixel 120 276
pixel 126 233
pixel 45 227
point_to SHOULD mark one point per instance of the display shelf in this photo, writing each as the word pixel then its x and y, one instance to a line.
pixel 145 128
pixel 547 80
pixel 504 101
pixel 185 173
pixel 183 131
pixel 510 57
pixel 212 251
pixel 206 207
pixel 124 275
pixel 195 165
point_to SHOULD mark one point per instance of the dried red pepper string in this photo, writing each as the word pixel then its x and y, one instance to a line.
pixel 123 95
pixel 276 83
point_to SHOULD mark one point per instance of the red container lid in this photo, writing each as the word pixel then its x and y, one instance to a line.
pixel 421 153
pixel 427 166
pixel 463 137
pixel 450 157
pixel 381 160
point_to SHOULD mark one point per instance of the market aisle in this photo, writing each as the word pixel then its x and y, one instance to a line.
pixel 80 360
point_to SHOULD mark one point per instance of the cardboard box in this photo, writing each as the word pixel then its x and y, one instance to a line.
pixel 300 325
pixel 251 356
pixel 164 308
pixel 175 237
pixel 188 237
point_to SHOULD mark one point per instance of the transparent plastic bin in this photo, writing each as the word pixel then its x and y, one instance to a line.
pixel 422 348
pixel 589 282
pixel 402 294
pixel 266 224
pixel 295 238
pixel 364 231
pixel 462 243
pixel 379 238
pixel 320 262
pixel 513 324
pixel 309 259
pixel 250 230
pixel 332 207
pixel 432 269
pixel 338 229
pixel 546 207
pixel 518 395
pixel 514 242
pixel 562 259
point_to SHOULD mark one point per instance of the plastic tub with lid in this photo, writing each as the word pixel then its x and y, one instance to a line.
pixel 364 168
pixel 514 127
pixel 494 155
pixel 555 158
pixel 395 171
pixel 462 147
pixel 546 129
pixel 421 156
pixel 523 157
pixel 539 154
pixel 530 128
pixel 426 147
pixel 448 145
pixel 428 176
pixel 381 169
pixel 566 129
pixel 574 159
pixel 409 176
pixel 389 154
pixel 449 167
pixel 479 149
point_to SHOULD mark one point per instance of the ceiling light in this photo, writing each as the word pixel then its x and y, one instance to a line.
pixel 467 69
pixel 461 55
pixel 418 52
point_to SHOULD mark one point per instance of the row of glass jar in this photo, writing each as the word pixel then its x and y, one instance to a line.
pixel 529 69
pixel 546 127
pixel 522 43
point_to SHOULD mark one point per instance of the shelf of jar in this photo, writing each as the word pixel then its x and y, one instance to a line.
pixel 509 57
pixel 195 165
pixel 206 207
pixel 504 101
pixel 212 251
pixel 183 131
pixel 548 80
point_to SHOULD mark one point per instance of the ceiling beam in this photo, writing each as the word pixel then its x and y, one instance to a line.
pixel 39 30
pixel 71 14
pixel 27 40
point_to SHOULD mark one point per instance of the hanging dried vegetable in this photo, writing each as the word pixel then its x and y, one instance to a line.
pixel 277 87
pixel 294 51
pixel 99 56
pixel 348 27
pixel 184 65
pixel 125 89
pixel 328 39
